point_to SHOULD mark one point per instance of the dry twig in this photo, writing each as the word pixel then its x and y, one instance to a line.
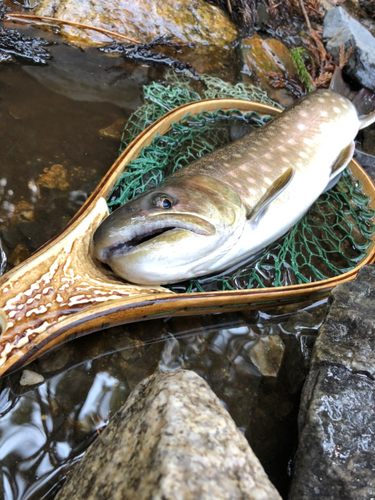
pixel 344 57
pixel 302 5
pixel 99 421
pixel 27 17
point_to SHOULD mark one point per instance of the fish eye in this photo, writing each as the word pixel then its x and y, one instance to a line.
pixel 163 202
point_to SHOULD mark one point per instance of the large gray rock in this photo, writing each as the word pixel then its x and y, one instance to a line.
pixel 335 457
pixel 341 29
pixel 347 338
pixel 172 440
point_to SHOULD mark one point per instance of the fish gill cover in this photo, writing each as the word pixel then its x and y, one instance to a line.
pixel 329 240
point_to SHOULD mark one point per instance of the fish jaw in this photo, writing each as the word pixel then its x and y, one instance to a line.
pixel 125 239
pixel 146 245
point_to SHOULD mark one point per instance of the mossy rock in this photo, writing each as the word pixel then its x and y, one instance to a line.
pixel 142 20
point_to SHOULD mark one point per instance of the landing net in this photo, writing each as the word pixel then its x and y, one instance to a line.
pixel 331 239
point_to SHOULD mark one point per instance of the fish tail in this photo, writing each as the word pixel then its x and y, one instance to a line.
pixel 363 99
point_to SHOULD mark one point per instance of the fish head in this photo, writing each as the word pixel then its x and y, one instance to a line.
pixel 172 232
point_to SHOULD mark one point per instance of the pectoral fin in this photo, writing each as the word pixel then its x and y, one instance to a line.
pixel 339 165
pixel 272 192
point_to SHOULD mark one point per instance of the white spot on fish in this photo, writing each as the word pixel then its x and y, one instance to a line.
pixel 303 113
pixel 336 110
pixel 301 126
pixel 324 113
pixel 281 148
pixel 265 168
pixel 321 99
pixel 237 155
pixel 285 160
pixel 292 142
pixel 307 141
pixel 267 180
pixel 226 164
pixel 268 156
pixel 303 154
pixel 243 167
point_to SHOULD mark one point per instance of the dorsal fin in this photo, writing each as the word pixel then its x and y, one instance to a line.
pixel 272 192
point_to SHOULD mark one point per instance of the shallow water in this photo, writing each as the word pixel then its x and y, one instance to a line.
pixel 44 430
pixel 52 116
pixel 59 123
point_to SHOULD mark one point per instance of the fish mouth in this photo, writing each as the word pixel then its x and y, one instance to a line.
pixel 135 235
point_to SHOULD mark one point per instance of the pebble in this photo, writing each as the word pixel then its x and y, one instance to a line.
pixel 31 378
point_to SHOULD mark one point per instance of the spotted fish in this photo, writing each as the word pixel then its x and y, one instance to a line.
pixel 230 204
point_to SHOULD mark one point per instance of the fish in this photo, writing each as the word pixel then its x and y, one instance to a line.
pixel 230 204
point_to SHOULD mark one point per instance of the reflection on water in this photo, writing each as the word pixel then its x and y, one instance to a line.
pixel 44 430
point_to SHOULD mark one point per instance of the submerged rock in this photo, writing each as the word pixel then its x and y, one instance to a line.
pixel 55 177
pixel 114 131
pixel 335 457
pixel 342 29
pixel 267 355
pixel 143 20
pixel 31 378
pixel 172 440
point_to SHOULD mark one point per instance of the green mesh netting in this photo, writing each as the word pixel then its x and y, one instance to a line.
pixel 329 240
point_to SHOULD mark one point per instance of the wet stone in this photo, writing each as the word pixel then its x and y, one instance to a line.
pixel 335 458
pixel 55 177
pixel 347 338
pixel 31 378
pixel 267 355
pixel 262 57
pixel 143 20
pixel 14 45
pixel 56 360
pixel 113 131
pixel 172 439
pixel 342 29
